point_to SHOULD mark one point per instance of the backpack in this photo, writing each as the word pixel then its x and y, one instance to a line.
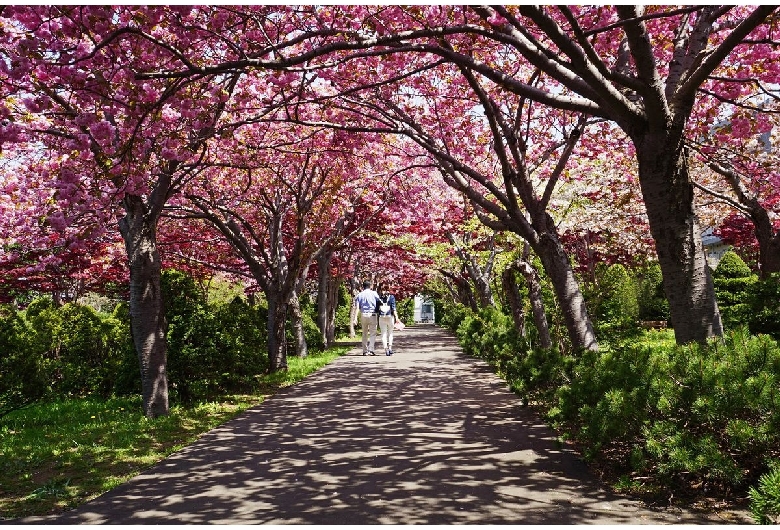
pixel 384 308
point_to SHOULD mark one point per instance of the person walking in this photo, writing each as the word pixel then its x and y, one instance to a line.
pixel 368 302
pixel 387 317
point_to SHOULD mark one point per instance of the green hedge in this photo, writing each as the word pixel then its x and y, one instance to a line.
pixel 23 378
pixel 49 352
pixel 695 414
pixel 212 349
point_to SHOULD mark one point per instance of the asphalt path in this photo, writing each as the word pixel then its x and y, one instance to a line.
pixel 426 436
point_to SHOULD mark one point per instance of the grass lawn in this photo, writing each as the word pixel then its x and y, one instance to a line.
pixel 55 456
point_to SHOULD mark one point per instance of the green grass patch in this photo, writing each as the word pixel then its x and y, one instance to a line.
pixel 55 456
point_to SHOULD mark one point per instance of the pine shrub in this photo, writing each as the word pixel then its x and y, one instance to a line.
pixel 532 373
pixel 765 499
pixel 709 413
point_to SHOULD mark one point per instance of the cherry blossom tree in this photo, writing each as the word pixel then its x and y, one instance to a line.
pixel 282 196
pixel 139 93
pixel 738 169
pixel 495 160
pixel 131 145
pixel 643 69
pixel 77 66
pixel 46 246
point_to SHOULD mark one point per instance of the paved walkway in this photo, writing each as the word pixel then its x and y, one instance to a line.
pixel 427 436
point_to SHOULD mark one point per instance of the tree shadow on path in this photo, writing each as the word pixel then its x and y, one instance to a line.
pixel 426 436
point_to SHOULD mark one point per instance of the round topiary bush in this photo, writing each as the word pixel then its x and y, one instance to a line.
pixel 733 282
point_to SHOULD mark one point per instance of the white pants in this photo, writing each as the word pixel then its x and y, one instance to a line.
pixel 386 324
pixel 368 325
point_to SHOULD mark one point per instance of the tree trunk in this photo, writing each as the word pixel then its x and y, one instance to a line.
pixel 465 293
pixel 327 300
pixel 668 195
pixel 323 269
pixel 768 240
pixel 567 290
pixel 277 345
pixel 147 313
pixel 512 293
pixel 296 319
pixel 333 285
pixel 537 304
pixel 769 255
pixel 484 291
pixel 353 309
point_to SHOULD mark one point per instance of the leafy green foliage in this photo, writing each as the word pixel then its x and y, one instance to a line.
pixel 652 301
pixel 405 309
pixel 212 349
pixel 127 379
pixel 733 282
pixel 79 350
pixel 618 306
pixel 764 304
pixel 450 315
pixel 24 380
pixel 343 310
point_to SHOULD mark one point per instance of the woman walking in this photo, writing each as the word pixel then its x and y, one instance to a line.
pixel 387 317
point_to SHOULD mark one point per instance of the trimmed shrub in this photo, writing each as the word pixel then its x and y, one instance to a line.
pixel 77 351
pixel 212 349
pixel 652 303
pixel 619 305
pixel 24 380
pixel 84 362
pixel 733 282
pixel 79 358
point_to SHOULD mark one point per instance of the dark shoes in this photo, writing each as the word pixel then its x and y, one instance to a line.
pixel 389 353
